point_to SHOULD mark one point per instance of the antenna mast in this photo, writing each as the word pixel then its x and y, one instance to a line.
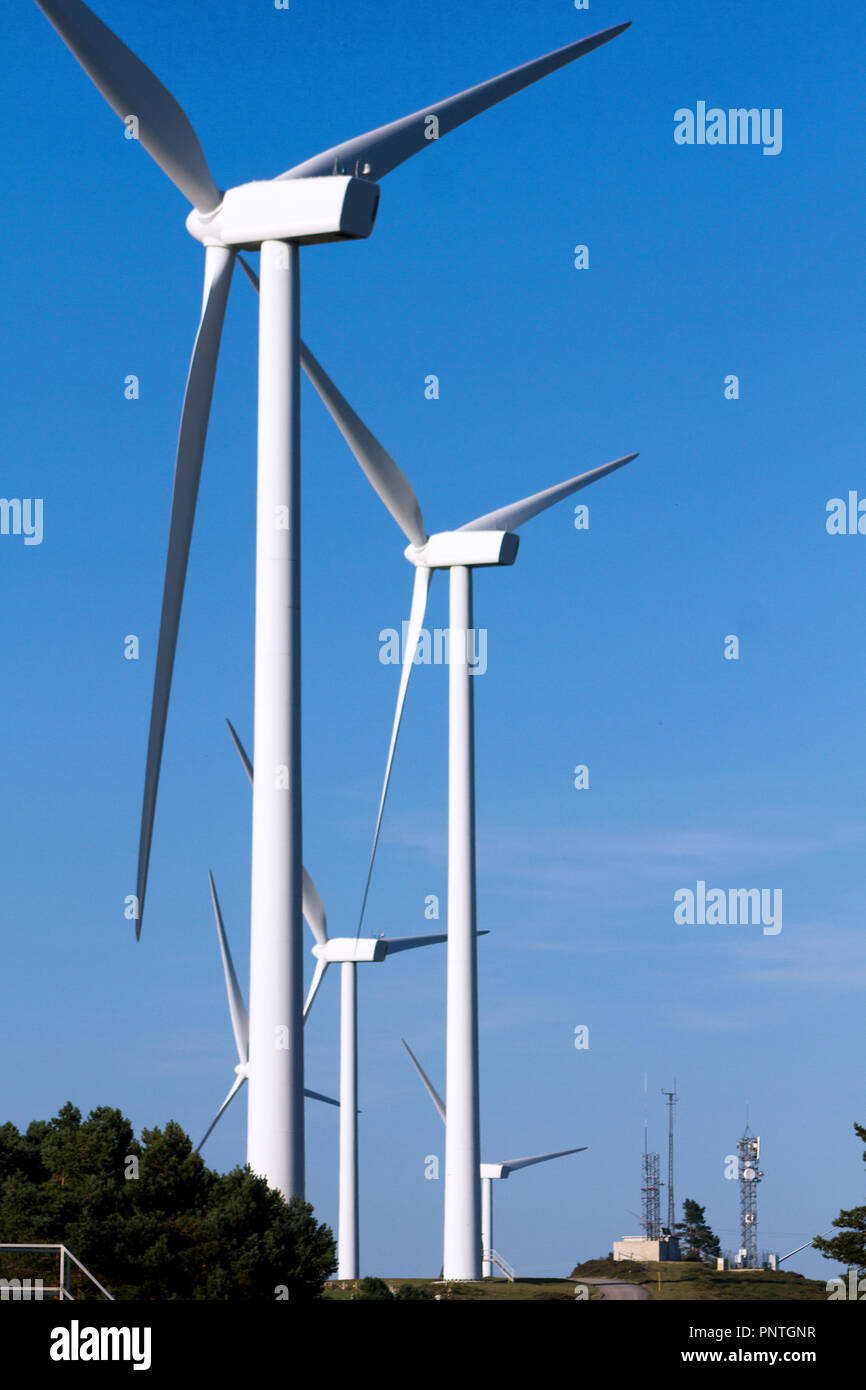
pixel 650 1190
pixel 748 1154
pixel 672 1100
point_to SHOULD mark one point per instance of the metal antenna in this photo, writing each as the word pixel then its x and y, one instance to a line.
pixel 650 1191
pixel 749 1174
pixel 672 1100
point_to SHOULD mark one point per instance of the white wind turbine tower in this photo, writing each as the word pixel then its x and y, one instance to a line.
pixel 240 1022
pixel 488 1172
pixel 349 952
pixel 487 541
pixel 331 197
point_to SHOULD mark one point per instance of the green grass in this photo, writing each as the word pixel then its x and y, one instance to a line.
pixel 686 1279
pixel 526 1290
pixel 680 1281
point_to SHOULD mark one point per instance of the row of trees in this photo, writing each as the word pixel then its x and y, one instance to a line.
pixel 152 1222
pixel 149 1219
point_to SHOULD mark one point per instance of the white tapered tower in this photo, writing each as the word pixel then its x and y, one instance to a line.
pixel 488 1173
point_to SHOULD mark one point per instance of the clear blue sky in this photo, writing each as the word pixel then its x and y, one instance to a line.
pixel 605 646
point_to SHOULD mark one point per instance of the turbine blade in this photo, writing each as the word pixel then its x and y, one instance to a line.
pixel 237 1007
pixel 379 151
pixel 318 976
pixel 420 590
pixel 387 478
pixel 509 518
pixel 242 753
pixel 239 1081
pixel 431 1089
pixel 311 902
pixel 395 944
pixel 249 273
pixel 317 1095
pixel 219 263
pixel 512 1164
pixel 131 89
pixel 313 909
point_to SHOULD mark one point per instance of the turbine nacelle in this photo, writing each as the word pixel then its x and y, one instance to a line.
pixel 338 949
pixel 303 211
pixel 494 1170
pixel 475 549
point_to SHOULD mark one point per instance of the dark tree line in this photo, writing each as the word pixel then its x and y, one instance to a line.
pixel 149 1219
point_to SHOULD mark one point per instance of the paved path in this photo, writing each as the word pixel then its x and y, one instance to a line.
pixel 615 1289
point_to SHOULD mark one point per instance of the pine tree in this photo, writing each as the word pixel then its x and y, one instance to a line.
pixel 849 1247
pixel 697 1241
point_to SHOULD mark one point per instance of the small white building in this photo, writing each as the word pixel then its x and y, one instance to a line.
pixel 637 1248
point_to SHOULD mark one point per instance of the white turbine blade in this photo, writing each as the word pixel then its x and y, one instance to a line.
pixel 237 1007
pixel 379 151
pixel 395 944
pixel 239 1081
pixel 317 1095
pixel 318 976
pixel 420 590
pixel 509 518
pixel 430 1088
pixel 314 910
pixel 249 273
pixel 131 89
pixel 513 1164
pixel 312 905
pixel 386 477
pixel 219 263
pixel 248 767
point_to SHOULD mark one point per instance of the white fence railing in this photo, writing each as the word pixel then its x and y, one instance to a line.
pixel 30 1289
pixel 493 1257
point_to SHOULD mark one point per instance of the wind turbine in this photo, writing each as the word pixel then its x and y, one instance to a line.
pixel 349 952
pixel 487 541
pixel 240 1022
pixel 488 1172
pixel 331 197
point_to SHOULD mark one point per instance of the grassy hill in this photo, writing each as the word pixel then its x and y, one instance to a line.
pixel 551 1290
pixel 681 1281
pixel 688 1279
